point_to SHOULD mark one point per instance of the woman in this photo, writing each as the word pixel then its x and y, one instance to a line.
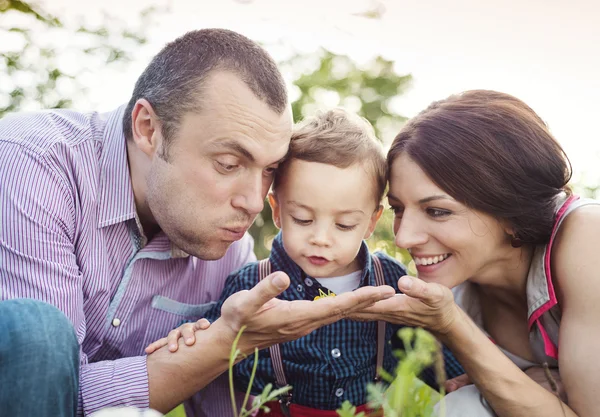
pixel 479 190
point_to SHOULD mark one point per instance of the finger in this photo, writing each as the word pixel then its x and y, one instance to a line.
pixel 458 382
pixel 156 345
pixel 264 291
pixel 330 309
pixel 173 339
pixel 202 324
pixel 429 293
pixel 187 332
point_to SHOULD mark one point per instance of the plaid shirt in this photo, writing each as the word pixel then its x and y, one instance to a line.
pixel 333 363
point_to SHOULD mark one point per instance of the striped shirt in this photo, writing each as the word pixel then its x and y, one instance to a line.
pixel 334 363
pixel 69 237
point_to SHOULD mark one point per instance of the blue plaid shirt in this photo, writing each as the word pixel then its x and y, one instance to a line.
pixel 335 362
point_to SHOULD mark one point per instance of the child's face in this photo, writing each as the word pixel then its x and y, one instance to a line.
pixel 324 213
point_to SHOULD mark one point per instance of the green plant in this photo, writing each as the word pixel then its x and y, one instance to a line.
pixel 268 393
pixel 406 395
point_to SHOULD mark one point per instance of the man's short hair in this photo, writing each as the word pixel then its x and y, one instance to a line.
pixel 172 82
pixel 341 139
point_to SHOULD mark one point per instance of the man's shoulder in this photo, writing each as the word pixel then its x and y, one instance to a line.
pixel 42 130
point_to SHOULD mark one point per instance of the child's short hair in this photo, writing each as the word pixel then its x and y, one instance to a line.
pixel 341 139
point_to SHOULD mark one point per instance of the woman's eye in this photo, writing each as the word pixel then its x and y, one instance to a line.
pixel 397 211
pixel 301 222
pixel 434 212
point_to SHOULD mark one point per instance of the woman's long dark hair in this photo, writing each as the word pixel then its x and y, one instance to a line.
pixel 493 153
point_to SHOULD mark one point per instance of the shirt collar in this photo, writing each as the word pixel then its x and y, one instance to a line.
pixel 116 201
pixel 115 197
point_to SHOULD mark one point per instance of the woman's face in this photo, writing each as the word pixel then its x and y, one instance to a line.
pixel 449 242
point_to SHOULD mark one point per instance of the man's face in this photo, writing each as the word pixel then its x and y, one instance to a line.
pixel 220 165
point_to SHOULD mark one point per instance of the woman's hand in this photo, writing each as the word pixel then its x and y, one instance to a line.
pixel 427 305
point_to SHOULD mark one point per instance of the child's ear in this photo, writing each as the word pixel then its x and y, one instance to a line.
pixel 373 221
pixel 275 209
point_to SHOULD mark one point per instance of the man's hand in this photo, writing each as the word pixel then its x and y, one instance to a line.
pixel 269 320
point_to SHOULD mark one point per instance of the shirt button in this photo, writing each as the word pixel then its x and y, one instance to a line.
pixel 308 282
pixel 339 392
pixel 336 354
pixel 299 288
pixel 116 322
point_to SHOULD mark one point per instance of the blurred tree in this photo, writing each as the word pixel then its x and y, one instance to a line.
pixel 325 80
pixel 39 52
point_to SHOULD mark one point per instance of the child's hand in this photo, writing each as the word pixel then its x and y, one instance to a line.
pixel 185 331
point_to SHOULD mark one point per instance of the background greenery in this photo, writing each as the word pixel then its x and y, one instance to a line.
pixel 34 73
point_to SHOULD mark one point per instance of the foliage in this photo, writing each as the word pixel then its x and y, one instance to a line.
pixel 324 80
pixel 406 395
pixel 268 393
pixel 39 49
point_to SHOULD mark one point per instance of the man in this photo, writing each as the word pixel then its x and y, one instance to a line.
pixel 129 222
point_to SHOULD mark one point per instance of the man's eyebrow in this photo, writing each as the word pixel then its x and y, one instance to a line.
pixel 236 147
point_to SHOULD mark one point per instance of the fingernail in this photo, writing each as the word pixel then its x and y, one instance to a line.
pixel 406 282
pixel 279 282
pixel 188 340
pixel 172 346
pixel 387 295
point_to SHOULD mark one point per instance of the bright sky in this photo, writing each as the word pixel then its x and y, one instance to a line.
pixel 546 52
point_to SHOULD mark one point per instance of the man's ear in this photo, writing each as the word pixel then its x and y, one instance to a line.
pixel 146 128
pixel 275 209
pixel 373 221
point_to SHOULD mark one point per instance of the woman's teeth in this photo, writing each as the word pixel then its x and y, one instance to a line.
pixel 430 260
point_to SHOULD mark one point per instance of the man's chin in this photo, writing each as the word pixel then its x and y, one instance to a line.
pixel 210 252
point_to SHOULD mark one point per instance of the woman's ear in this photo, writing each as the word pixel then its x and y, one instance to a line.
pixel 275 209
pixel 373 221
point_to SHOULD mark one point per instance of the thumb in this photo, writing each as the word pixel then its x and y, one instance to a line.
pixel 456 383
pixel 267 289
pixel 429 293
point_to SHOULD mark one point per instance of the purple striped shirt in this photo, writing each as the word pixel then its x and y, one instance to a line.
pixel 69 237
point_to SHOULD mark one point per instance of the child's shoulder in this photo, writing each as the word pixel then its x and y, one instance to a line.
pixel 246 276
pixel 392 268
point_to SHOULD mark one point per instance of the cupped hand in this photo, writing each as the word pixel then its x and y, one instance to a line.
pixel 269 320
pixel 422 304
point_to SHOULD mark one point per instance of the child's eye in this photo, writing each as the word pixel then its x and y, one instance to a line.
pixel 434 212
pixel 301 222
pixel 345 227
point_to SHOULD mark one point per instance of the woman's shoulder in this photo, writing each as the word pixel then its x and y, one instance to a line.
pixel 574 250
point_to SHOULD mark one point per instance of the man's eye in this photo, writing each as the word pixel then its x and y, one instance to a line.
pixel 227 167
pixel 270 170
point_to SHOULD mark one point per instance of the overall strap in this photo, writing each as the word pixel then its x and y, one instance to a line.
pixel 379 280
pixel 264 269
